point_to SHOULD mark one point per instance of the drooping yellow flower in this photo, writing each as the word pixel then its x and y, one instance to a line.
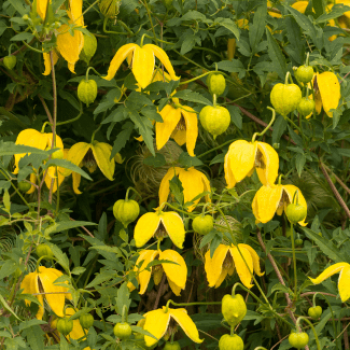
pixel 228 258
pixel 159 224
pixel 176 273
pixel 77 331
pixel 270 200
pixel 157 322
pixel 193 182
pixel 44 282
pixel 300 6
pixel 92 155
pixel 68 46
pixel 243 157
pixel 142 61
pixel 343 269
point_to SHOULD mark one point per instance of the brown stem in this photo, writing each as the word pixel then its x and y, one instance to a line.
pixel 22 48
pixel 340 182
pixel 48 113
pixel 346 337
pixel 85 229
pixel 312 293
pixel 160 290
pixel 335 191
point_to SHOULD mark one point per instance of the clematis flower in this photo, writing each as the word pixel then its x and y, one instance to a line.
pixel 179 123
pixel 176 273
pixel 142 61
pixel 193 182
pixel 40 140
pixel 157 323
pixel 68 46
pixel 92 155
pixel 327 92
pixel 344 277
pixel 159 224
pixel 243 157
pixel 44 282
pixel 228 258
pixel 77 331
pixel 270 200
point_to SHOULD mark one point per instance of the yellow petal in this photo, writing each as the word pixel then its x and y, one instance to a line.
pixel 343 284
pixel 300 6
pixel 269 172
pixel 41 6
pixel 255 258
pixel 164 59
pixel 118 59
pixel 222 277
pixel 102 153
pixel 329 271
pixel 179 136
pixel 70 46
pixel 47 61
pixel 244 265
pixel 266 201
pixel 177 274
pixel 329 87
pixel 229 176
pixel 76 12
pixel 143 65
pixel 213 266
pixel 186 323
pixel 76 178
pixel 164 188
pixel 174 226
pixel 77 153
pixel 145 228
pixel 30 285
pixel 191 121
pixel 156 323
pixel 33 180
pixel 240 160
pixel 290 191
pixel 171 117
pixel 144 276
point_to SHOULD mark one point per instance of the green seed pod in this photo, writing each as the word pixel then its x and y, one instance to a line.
pixel 315 312
pixel 215 119
pixel 64 326
pixel 298 340
pixel 126 211
pixel 231 342
pixel 216 83
pixel 296 213
pixel 233 308
pixel 285 98
pixel 304 74
pixel 299 242
pixel 203 224
pixel 172 346
pixel 122 330
pixel 10 62
pixel 305 106
pixel 24 186
pixel 87 91
pixel 86 320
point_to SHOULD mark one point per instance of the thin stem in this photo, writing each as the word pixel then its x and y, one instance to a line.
pixel 191 304
pixel 247 290
pixel 150 19
pixel 294 262
pixel 215 148
pixel 48 113
pixel 198 77
pixel 268 126
pixel 313 329
pixel 73 119
pixel 32 48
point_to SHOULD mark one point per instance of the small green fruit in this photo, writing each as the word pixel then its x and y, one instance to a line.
pixel 216 83
pixel 44 250
pixel 24 186
pixel 172 346
pixel 10 62
pixel 90 47
pixel 122 330
pixel 304 74
pixel 233 308
pixel 64 326
pixel 285 98
pixel 215 119
pixel 306 106
pixel 87 91
pixel 298 340
pixel 228 342
pixel 126 211
pixel 299 242
pixel 296 213
pixel 86 320
pixel 315 312
pixel 203 224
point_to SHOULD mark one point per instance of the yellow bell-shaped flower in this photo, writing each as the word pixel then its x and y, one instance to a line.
pixel 142 61
pixel 92 155
pixel 43 281
pixel 193 182
pixel 343 269
pixel 270 200
pixel 228 258
pixel 159 224
pixel 243 157
pixel 176 273
pixel 179 123
pixel 157 322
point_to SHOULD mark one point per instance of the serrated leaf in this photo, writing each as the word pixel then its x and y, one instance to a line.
pixel 256 31
pixel 122 138
pixel 189 95
pixel 64 163
pixel 232 66
pixel 276 55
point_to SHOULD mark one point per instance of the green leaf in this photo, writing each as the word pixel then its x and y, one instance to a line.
pixel 228 24
pixel 122 138
pixel 107 248
pixel 276 55
pixel 300 161
pixel 220 158
pixel 78 270
pixel 9 149
pixel 281 288
pixel 279 127
pixel 18 6
pixel 35 337
pixel 157 161
pixel 140 330
pixel 256 31
pixel 30 323
pixel 189 95
pixel 67 225
pixel 64 163
pixel 231 66
pixel 6 200
pixel 61 257
pixel 318 6
pixel 7 307
pixel 236 116
pixel 23 37
pixel 123 301
pixel 336 12
pixel 187 161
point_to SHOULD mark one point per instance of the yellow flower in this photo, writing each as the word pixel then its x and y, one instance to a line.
pixel 193 182
pixel 37 139
pixel 77 331
pixel 142 61
pixel 243 157
pixel 68 46
pixel 159 224
pixel 270 200
pixel 224 261
pixel 43 282
pixel 300 6
pixel 180 123
pixel 157 322
pixel 344 277
pixel 175 273
pixel 92 155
